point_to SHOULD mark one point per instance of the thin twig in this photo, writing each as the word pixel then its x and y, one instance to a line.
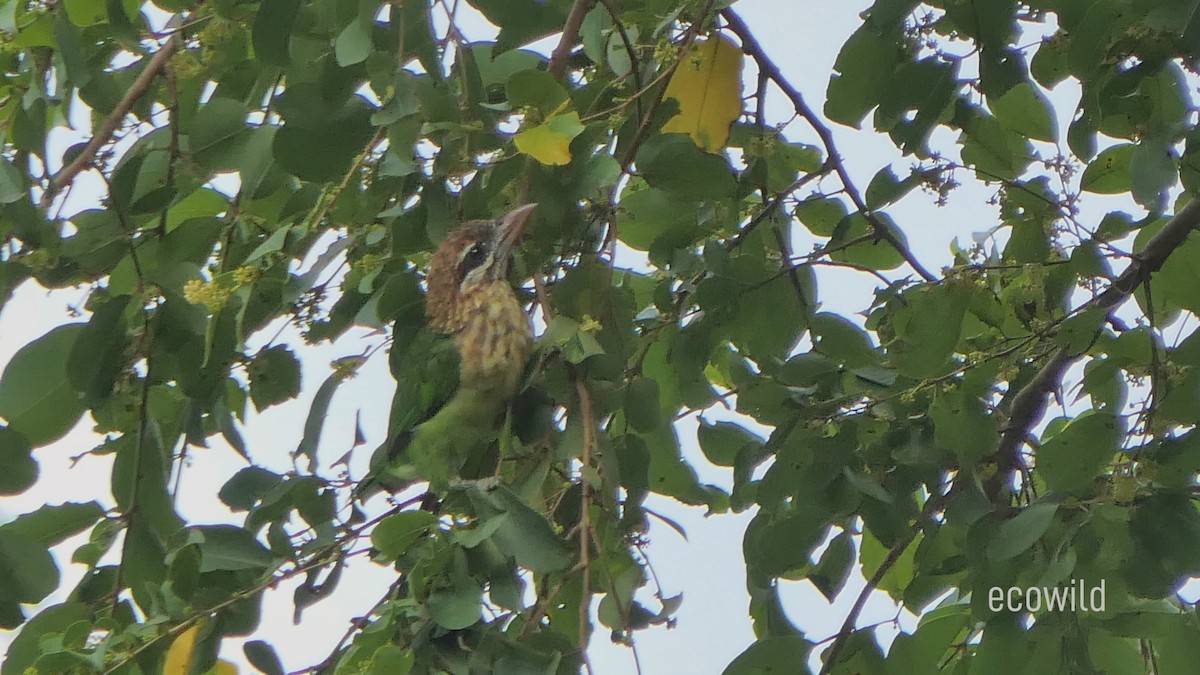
pixel 932 505
pixel 635 68
pixel 751 46
pixel 104 134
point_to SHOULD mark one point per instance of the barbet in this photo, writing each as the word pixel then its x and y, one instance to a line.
pixel 440 422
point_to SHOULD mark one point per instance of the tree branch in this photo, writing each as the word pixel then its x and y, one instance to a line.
pixel 104 134
pixel 766 66
pixel 1029 403
pixel 570 35
pixel 932 505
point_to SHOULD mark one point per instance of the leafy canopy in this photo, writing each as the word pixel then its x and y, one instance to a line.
pixel 1022 418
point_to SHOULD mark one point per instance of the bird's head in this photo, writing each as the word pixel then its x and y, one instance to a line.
pixel 473 256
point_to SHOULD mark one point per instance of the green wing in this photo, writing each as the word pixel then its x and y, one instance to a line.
pixel 425 366
pixel 426 373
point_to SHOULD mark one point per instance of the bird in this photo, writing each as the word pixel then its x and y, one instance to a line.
pixel 438 421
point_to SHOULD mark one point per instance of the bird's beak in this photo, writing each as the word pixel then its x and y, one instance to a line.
pixel 510 230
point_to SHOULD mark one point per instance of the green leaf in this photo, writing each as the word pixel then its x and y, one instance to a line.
pixel 1017 534
pixel 262 656
pixel 317 412
pixel 1049 64
pixel 272 30
pixel 839 339
pixel 456 607
pixel 771 655
pixel 28 573
pixel 36 396
pixel 393 660
pixel 1165 529
pixel 722 442
pixel 322 148
pixel 833 569
pixel 885 188
pixel 821 215
pixel 353 44
pixel 993 149
pixel 98 355
pixel 1025 110
pixel 225 547
pixel 1109 172
pixel 1074 456
pixel 84 13
pixel 648 215
pixel 962 425
pixel 525 534
pixel 246 487
pixel 51 524
pixel 1152 171
pixel 927 329
pixel 536 89
pixel 642 407
pixel 862 67
pixel 25 647
pixel 874 253
pixel 673 163
pixel 18 471
pixel 12 183
pixel 394 534
pixel 274 377
pixel 218 133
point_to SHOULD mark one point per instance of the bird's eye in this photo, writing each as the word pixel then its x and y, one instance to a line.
pixel 472 259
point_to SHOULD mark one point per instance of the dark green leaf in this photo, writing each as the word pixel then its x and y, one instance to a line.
pixel 394 534
pixel 723 441
pixel 262 656
pixel 224 547
pixel 51 524
pixel 27 572
pixel 1017 534
pixel 36 396
pixel 18 471
pixel 274 377
pixel 317 412
pixel 1073 457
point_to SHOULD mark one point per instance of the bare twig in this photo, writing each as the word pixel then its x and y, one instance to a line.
pixel 104 134
pixel 765 65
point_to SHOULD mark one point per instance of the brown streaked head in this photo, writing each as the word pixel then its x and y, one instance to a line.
pixel 473 256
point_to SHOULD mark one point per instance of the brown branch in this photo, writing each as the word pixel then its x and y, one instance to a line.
pixel 104 134
pixel 585 525
pixel 752 48
pixel 570 35
pixel 932 505
pixel 1029 403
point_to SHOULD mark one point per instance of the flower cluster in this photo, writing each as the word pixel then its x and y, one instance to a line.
pixel 207 293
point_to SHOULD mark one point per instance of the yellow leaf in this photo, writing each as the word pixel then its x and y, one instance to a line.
pixel 708 86
pixel 224 667
pixel 550 141
pixel 179 656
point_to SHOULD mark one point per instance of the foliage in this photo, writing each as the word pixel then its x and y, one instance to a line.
pixel 912 443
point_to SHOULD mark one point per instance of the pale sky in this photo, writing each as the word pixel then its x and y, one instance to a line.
pixel 803 37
